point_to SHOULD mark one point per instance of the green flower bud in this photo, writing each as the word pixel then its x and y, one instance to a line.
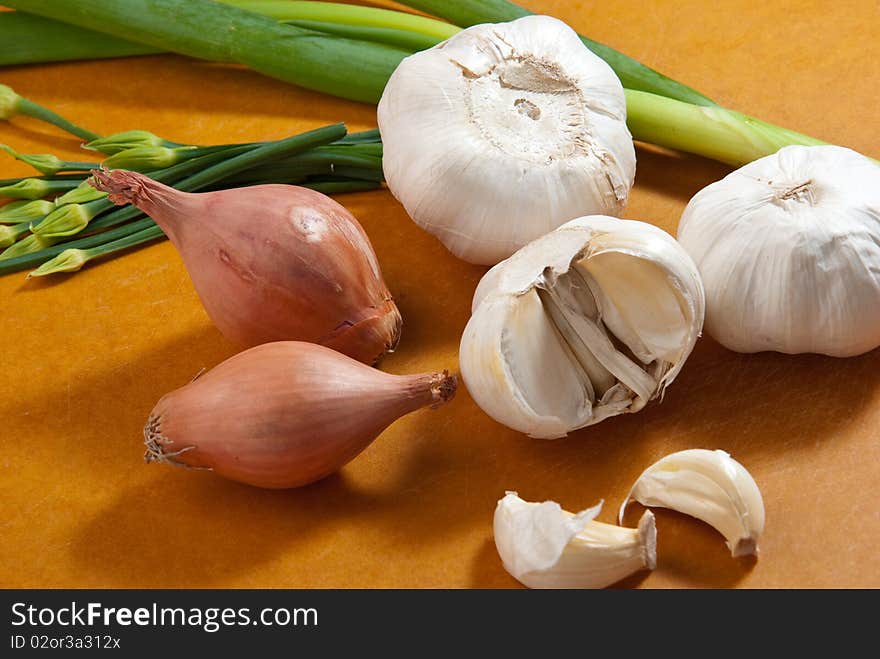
pixel 8 235
pixel 44 163
pixel 143 158
pixel 129 139
pixel 63 221
pixel 80 195
pixel 25 211
pixel 8 102
pixel 26 245
pixel 70 260
pixel 26 188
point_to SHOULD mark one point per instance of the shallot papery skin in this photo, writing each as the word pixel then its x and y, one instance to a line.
pixel 284 414
pixel 273 263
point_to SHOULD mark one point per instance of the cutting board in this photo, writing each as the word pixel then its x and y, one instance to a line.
pixel 84 357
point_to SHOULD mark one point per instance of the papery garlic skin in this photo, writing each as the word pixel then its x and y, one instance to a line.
pixel 788 247
pixel 708 485
pixel 502 133
pixel 543 546
pixel 541 353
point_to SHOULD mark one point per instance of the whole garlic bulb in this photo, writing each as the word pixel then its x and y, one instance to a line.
pixel 788 247
pixel 592 320
pixel 502 133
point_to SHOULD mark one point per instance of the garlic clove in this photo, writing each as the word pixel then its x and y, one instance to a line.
pixel 543 546
pixel 511 350
pixel 517 127
pixel 789 252
pixel 592 320
pixel 708 485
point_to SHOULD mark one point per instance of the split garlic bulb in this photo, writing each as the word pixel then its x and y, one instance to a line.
pixel 502 133
pixel 592 320
pixel 788 247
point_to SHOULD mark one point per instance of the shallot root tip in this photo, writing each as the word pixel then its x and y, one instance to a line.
pixel 443 388
pixel 123 187
pixel 156 442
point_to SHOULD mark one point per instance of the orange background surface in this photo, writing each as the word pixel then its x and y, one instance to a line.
pixel 85 357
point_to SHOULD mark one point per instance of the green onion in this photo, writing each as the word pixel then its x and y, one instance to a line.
pixel 129 139
pixel 25 211
pixel 69 219
pixel 46 163
pixel 412 41
pixel 29 39
pixel 80 194
pixel 364 137
pixel 72 259
pixel 271 150
pixel 12 104
pixel 342 13
pixel 8 235
pixel 363 23
pixel 208 30
pixel 35 188
pixel 148 158
pixel 34 251
pixel 217 165
pixel 24 247
pixel 713 132
pixel 38 39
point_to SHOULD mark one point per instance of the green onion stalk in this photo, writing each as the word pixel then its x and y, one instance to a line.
pixel 11 104
pixel 46 163
pixel 660 111
pixel 72 258
pixel 25 212
pixel 326 159
pixel 35 188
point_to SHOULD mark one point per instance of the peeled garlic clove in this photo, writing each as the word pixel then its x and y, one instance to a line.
pixel 543 546
pixel 592 320
pixel 284 414
pixel 708 485
pixel 502 133
pixel 788 247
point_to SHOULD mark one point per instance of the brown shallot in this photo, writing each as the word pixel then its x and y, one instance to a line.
pixel 273 262
pixel 284 414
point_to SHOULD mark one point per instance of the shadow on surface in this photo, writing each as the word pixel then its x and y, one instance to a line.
pixel 197 530
pixel 692 552
pixel 183 80
pixel 679 175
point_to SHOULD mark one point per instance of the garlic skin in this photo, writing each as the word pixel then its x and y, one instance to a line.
pixel 543 546
pixel 502 133
pixel 788 247
pixel 542 353
pixel 708 485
